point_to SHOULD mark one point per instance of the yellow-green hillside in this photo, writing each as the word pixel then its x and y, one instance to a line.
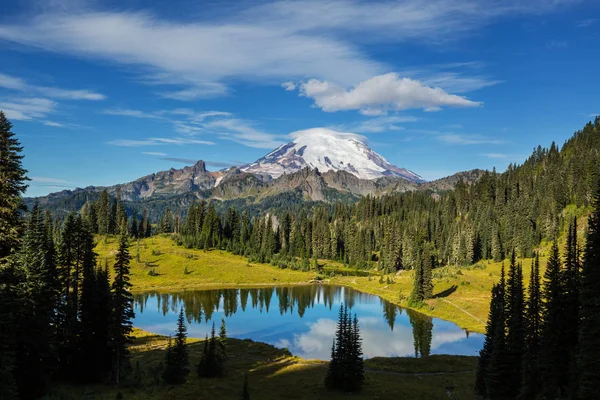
pixel 462 294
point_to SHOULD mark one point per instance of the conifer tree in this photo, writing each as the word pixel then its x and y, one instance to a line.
pixel 569 332
pixel 485 354
pixel 589 325
pixel 245 393
pixel 551 357
pixel 346 368
pixel 211 361
pixel 12 186
pixel 36 341
pixel 177 359
pixel 223 339
pixel 497 371
pixel 515 334
pixel 122 301
pixel 530 384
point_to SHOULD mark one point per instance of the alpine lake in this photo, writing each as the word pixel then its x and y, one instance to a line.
pixel 303 319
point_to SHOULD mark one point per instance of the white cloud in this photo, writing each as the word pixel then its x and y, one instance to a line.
pixel 157 142
pixel 273 42
pixel 289 86
pixel 453 138
pixel 557 44
pixel 379 94
pixel 14 83
pixel 191 124
pixel 42 179
pixel 130 113
pixel 54 124
pixel 27 108
pixel 329 132
pixel 586 23
pixel 243 132
pixel 155 153
pixel 495 155
pixel 378 124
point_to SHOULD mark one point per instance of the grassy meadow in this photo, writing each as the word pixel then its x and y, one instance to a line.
pixel 159 264
pixel 276 374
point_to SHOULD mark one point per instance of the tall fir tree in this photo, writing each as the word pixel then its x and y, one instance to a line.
pixel 530 384
pixel 485 354
pixel 245 392
pixel 346 367
pixel 12 276
pixel 569 333
pixel 588 363
pixel 553 365
pixel 36 340
pixel 497 372
pixel 177 359
pixel 515 333
pixel 12 186
pixel 122 301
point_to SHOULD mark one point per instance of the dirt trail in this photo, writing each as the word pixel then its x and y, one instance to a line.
pixel 463 310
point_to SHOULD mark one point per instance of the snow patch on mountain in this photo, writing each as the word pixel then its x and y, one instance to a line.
pixel 326 150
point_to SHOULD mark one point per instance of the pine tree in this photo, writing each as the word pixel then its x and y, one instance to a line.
pixel 122 301
pixel 551 357
pixel 515 335
pixel 245 393
pixel 12 275
pixel 530 384
pixel 12 186
pixel 36 341
pixel 589 326
pixel 346 368
pixel 223 339
pixel 211 361
pixel 485 354
pixel 569 332
pixel 177 359
pixel 497 371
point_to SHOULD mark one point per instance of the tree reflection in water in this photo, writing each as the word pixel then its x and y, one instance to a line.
pixel 302 318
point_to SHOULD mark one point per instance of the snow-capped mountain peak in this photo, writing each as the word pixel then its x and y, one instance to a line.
pixel 326 150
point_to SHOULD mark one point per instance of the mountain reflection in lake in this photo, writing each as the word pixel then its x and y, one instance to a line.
pixel 303 319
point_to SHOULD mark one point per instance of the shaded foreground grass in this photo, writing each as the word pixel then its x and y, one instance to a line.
pixel 462 294
pixel 276 374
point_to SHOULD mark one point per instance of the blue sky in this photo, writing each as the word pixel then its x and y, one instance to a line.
pixel 103 92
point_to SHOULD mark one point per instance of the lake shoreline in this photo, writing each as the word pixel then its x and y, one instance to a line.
pixel 461 294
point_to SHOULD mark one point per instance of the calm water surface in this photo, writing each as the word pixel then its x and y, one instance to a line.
pixel 303 319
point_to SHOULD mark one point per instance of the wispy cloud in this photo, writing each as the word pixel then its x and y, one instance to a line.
pixel 586 23
pixel 43 179
pixel 180 160
pixel 54 124
pixel 18 84
pixel 453 138
pixel 24 109
pixel 377 124
pixel 157 142
pixel 131 113
pixel 557 44
pixel 154 153
pixel 270 42
pixel 498 156
pixel 192 124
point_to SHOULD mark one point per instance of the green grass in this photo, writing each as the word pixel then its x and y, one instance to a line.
pixel 464 293
pixel 210 269
pixel 276 374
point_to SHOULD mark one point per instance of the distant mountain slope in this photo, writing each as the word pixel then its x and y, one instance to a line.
pixel 322 166
pixel 328 150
